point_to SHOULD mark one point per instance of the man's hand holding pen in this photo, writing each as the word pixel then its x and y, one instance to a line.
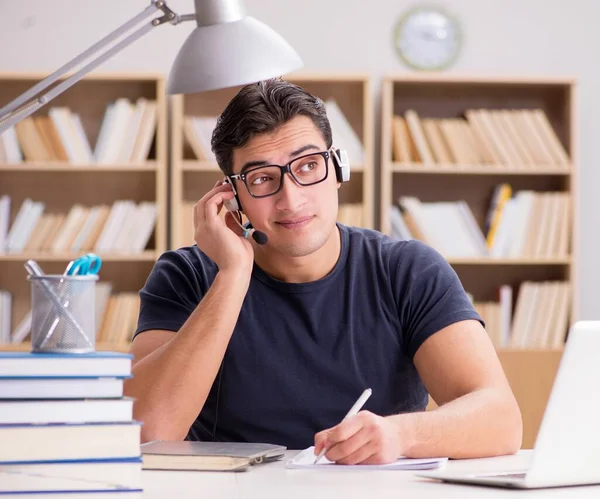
pixel 364 438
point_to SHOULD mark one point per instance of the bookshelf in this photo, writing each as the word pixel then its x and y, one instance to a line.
pixel 64 173
pixel 194 173
pixel 459 139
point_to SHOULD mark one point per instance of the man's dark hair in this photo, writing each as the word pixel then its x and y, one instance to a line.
pixel 260 108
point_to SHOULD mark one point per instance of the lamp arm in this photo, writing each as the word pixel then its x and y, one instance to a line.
pixel 27 103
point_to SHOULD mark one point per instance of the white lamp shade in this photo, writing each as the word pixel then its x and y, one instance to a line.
pixel 230 54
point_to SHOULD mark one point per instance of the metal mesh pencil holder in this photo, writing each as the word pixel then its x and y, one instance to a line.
pixel 63 313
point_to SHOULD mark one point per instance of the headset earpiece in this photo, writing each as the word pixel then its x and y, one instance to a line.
pixel 232 204
pixel 341 164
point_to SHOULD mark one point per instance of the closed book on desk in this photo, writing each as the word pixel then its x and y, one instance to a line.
pixel 207 456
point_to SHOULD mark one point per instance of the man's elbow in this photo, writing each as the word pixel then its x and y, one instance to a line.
pixel 512 423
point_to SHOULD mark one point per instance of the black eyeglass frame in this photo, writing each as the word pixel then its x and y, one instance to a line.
pixel 284 169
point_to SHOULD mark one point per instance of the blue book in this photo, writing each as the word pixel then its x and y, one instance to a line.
pixel 102 364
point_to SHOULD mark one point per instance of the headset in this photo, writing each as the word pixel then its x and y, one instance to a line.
pixel 341 166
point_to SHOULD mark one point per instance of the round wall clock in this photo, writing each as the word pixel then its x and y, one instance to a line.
pixel 427 38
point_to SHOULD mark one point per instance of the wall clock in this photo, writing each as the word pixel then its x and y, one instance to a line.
pixel 427 38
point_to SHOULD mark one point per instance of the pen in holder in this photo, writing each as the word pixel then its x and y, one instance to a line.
pixel 63 315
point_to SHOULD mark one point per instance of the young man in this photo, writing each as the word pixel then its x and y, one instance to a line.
pixel 240 341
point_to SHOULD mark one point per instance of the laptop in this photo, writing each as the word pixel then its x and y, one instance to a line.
pixel 567 447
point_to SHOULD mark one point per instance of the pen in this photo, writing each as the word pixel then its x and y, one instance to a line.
pixel 353 410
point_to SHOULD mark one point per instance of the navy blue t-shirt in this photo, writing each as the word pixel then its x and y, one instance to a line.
pixel 302 353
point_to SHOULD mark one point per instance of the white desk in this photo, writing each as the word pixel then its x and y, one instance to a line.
pixel 273 481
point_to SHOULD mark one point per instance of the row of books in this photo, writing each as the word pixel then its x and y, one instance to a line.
pixel 124 227
pixel 540 319
pixel 519 138
pixel 125 136
pixel 116 316
pixel 198 131
pixel 66 428
pixel 528 225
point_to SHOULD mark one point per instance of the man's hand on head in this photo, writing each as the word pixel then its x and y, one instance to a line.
pixel 365 438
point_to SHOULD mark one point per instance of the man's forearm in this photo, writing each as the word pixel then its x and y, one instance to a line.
pixel 171 384
pixel 482 423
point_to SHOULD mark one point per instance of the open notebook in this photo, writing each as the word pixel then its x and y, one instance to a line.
pixel 306 459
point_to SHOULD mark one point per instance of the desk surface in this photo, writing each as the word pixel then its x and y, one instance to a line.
pixel 273 481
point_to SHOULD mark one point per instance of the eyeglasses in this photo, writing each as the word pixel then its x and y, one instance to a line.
pixel 264 181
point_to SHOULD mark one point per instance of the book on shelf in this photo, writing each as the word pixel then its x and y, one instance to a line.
pixel 85 442
pixel 123 227
pixel 451 227
pixel 126 135
pixel 519 138
pixel 539 320
pixel 5 316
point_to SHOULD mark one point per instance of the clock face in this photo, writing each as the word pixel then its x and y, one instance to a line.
pixel 427 38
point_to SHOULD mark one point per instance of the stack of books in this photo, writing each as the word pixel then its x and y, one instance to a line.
pixel 66 427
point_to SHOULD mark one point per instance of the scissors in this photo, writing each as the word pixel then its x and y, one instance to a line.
pixel 84 265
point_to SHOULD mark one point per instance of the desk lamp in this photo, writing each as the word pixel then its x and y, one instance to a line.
pixel 226 49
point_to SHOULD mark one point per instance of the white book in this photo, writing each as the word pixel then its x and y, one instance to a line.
pixel 130 224
pixel 14 234
pixel 399 228
pixel 14 155
pixel 344 136
pixel 61 388
pixel 204 127
pixel 32 217
pixel 125 210
pixel 104 240
pixel 524 201
pixel 5 316
pixel 146 227
pixel 123 111
pixel 85 230
pixel 105 131
pixel 4 221
pixel 66 411
pixel 132 131
pixel 87 156
pixel 22 330
pixel 143 142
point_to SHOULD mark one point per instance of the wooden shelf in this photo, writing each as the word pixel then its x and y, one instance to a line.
pixel 145 256
pixel 453 169
pixel 62 167
pixel 351 91
pixel 497 137
pixel 60 185
pixel 26 347
pixel 511 261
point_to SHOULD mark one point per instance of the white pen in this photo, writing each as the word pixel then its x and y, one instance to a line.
pixel 353 410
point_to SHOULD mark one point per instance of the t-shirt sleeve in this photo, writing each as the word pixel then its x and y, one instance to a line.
pixel 431 296
pixel 170 294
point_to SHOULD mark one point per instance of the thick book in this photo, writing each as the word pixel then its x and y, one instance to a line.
pixel 59 364
pixel 69 442
pixel 207 456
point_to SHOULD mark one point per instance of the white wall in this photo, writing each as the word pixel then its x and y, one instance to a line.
pixel 514 37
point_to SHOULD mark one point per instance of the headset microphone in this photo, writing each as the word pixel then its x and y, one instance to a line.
pixel 248 230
